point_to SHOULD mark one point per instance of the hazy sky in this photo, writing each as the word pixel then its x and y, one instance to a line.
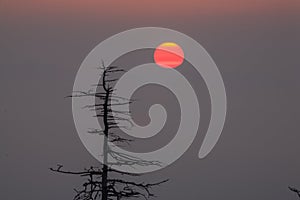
pixel 255 44
pixel 155 7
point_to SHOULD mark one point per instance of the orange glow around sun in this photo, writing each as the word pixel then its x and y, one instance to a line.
pixel 168 55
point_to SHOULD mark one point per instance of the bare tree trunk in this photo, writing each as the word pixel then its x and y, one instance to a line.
pixel 105 145
pixel 99 185
pixel 105 171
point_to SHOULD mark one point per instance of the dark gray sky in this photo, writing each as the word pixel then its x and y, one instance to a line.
pixel 257 156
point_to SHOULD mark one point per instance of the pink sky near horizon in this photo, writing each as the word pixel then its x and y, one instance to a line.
pixel 138 8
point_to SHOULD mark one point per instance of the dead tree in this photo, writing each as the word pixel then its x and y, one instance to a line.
pixel 295 191
pixel 104 182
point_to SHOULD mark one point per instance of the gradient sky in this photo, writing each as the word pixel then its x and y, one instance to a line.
pixel 255 44
pixel 155 8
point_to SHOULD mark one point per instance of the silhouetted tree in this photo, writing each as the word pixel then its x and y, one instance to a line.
pixel 104 181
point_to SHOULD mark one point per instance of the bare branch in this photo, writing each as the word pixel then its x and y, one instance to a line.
pixel 97 184
pixel 295 191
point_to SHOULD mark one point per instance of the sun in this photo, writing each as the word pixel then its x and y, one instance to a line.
pixel 168 55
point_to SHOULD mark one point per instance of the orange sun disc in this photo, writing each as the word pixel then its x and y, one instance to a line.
pixel 168 55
